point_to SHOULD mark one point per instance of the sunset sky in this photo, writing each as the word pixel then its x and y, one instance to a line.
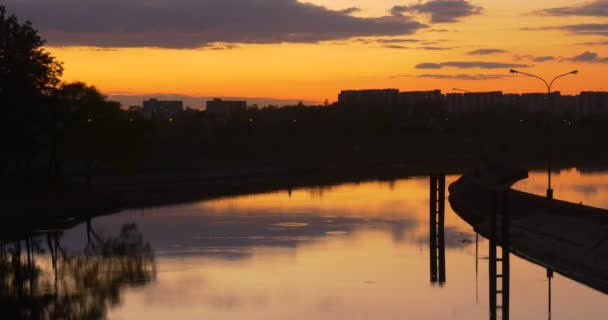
pixel 311 50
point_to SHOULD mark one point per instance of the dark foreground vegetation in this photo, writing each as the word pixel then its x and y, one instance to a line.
pixel 68 150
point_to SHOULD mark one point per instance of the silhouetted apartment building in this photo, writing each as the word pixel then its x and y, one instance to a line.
pixel 370 97
pixel 474 101
pixel 533 102
pixel 221 107
pixel 565 104
pixel 162 109
pixel 420 100
pixel 592 103
pixel 587 103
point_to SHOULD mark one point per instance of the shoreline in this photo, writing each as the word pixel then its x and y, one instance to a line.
pixel 50 208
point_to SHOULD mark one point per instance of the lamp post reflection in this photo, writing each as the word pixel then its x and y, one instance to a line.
pixel 549 277
pixel 499 266
pixel 437 228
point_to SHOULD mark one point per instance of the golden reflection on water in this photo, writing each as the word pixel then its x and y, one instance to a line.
pixel 571 185
pixel 376 270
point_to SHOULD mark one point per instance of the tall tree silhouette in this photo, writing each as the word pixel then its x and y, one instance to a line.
pixel 28 73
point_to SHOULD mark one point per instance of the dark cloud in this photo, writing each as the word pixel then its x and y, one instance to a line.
pixel 431 48
pixel 473 77
pixel 438 30
pixel 395 46
pixel 584 29
pixel 428 65
pixel 396 40
pixel 197 23
pixel 534 58
pixel 391 43
pixel 481 52
pixel 470 65
pixel 543 59
pixel 589 56
pixel 440 10
pixel 596 43
pixel 587 29
pixel 597 8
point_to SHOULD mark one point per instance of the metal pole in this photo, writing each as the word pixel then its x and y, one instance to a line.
pixel 441 227
pixel 549 277
pixel 433 227
pixel 549 86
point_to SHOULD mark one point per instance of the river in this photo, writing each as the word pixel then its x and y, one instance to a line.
pixel 351 251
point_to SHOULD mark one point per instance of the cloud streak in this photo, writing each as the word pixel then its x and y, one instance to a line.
pixel 583 29
pixel 481 52
pixel 197 23
pixel 470 65
pixel 597 8
pixel 471 77
pixel 440 11
pixel 543 59
pixel 589 56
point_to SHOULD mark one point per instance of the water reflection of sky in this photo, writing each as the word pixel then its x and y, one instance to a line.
pixel 571 185
pixel 355 251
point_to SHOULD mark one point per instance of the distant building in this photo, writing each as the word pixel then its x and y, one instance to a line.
pixel 587 103
pixel 455 102
pixel 593 103
pixel 161 109
pixel 370 97
pixel 510 101
pixel 420 100
pixel 474 101
pixel 221 107
pixel 533 102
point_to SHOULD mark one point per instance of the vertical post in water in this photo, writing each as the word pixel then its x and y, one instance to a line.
pixel 437 228
pixel 499 217
pixel 549 277
pixel 492 263
pixel 506 254
pixel 441 229
pixel 433 226
pixel 506 245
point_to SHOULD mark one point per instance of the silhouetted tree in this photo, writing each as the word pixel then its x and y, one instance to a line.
pixel 28 73
pixel 99 132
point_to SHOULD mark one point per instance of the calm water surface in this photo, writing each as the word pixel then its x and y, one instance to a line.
pixel 353 251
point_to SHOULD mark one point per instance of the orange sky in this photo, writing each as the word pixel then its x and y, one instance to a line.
pixel 316 71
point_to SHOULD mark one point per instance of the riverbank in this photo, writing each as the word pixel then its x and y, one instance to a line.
pixel 49 207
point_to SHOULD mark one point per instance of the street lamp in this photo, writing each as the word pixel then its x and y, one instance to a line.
pixel 549 85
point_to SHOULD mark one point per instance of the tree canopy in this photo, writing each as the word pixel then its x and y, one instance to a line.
pixel 26 68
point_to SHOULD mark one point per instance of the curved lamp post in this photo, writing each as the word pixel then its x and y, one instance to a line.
pixel 549 85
